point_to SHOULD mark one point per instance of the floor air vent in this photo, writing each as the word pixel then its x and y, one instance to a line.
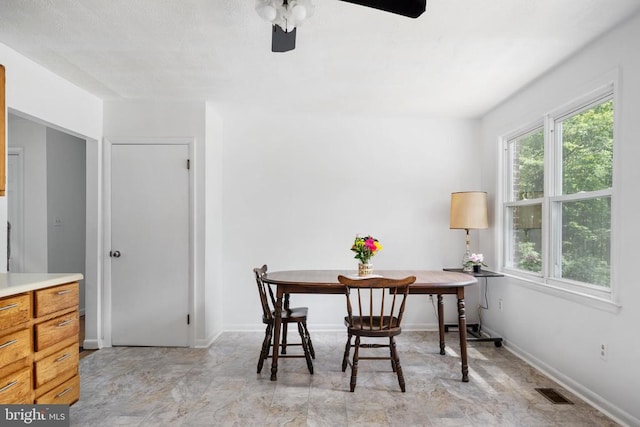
pixel 553 396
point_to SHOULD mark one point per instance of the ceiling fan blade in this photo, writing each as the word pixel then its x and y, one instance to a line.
pixel 282 41
pixel 410 8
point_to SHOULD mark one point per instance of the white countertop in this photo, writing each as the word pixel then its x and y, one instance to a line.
pixel 16 283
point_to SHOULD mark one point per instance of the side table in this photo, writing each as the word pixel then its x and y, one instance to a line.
pixel 474 329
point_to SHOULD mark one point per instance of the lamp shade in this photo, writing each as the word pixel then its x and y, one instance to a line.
pixel 468 210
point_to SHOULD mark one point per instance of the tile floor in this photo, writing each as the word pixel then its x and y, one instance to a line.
pixel 218 386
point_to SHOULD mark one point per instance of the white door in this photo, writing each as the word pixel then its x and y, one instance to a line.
pixel 149 245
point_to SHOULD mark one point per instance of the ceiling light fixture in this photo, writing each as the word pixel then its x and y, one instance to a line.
pixel 286 14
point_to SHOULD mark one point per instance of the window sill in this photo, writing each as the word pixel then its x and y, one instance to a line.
pixel 538 284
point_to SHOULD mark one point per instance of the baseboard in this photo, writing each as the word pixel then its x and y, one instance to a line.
pixel 206 343
pixel 612 411
pixel 91 345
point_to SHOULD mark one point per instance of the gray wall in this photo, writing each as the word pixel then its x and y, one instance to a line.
pixel 31 138
pixel 66 204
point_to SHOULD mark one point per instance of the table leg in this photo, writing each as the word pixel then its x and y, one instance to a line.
pixel 441 322
pixel 277 326
pixel 462 329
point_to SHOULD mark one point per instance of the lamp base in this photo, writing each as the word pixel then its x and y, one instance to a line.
pixel 467 267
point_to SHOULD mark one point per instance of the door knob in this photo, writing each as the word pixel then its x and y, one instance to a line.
pixel 114 254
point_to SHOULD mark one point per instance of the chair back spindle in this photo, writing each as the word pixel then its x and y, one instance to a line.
pixel 263 289
pixel 384 298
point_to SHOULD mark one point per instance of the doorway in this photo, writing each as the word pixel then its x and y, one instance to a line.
pixel 149 211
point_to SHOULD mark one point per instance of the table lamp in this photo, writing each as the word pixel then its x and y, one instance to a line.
pixel 468 211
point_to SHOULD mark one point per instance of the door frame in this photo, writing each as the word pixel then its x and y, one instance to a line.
pixel 107 306
pixel 19 153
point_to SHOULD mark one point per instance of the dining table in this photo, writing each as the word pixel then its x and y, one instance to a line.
pixel 428 282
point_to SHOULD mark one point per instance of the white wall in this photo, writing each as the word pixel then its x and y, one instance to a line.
pixel 559 335
pixel 298 189
pixel 213 300
pixel 32 138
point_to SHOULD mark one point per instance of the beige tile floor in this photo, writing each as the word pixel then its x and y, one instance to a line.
pixel 218 386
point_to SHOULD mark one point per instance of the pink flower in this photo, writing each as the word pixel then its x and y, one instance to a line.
pixel 477 258
pixel 371 244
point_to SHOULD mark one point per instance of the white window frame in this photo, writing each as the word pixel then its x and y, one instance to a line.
pixel 599 296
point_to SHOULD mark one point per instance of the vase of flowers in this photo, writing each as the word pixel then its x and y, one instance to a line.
pixel 365 248
pixel 475 263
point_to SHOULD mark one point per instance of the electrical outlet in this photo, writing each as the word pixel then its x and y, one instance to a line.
pixel 603 351
pixel 500 304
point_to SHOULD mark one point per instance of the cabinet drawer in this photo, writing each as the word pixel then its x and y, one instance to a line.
pixel 55 330
pixel 15 310
pixel 16 388
pixel 15 346
pixel 54 299
pixel 53 366
pixel 65 394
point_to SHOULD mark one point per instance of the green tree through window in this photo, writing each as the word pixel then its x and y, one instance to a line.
pixel 587 166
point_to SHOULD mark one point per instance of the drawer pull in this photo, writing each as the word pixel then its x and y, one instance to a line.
pixel 8 307
pixel 61 358
pixel 8 386
pixel 7 344
pixel 65 323
pixel 63 392
pixel 65 291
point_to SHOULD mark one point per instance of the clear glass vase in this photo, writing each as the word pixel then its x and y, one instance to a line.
pixel 365 269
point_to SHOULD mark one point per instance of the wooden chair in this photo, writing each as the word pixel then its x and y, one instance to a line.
pixel 296 315
pixel 383 301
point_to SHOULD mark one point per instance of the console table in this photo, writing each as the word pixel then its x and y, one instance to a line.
pixel 474 329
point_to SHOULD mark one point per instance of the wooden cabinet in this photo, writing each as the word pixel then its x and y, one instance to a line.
pixel 14 311
pixel 16 349
pixel 39 348
pixel 16 388
pixel 64 394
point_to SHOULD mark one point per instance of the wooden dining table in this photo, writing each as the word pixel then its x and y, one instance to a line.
pixel 428 282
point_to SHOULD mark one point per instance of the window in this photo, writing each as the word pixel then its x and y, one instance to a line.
pixel 525 198
pixel 557 202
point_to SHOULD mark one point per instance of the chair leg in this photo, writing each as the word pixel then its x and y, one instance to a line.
pixel 264 353
pixel 394 352
pixel 347 350
pixel 354 365
pixel 309 343
pixel 305 347
pixel 284 338
pixel 270 343
pixel 393 361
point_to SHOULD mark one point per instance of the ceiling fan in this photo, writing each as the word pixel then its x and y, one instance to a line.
pixel 287 15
